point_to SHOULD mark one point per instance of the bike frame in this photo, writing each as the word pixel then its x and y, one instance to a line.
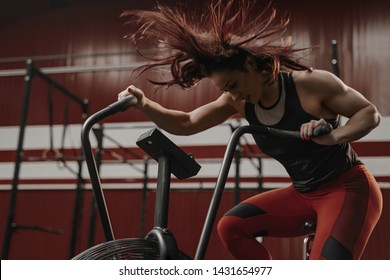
pixel 160 221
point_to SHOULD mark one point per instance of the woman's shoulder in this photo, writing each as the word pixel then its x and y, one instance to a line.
pixel 313 76
pixel 317 81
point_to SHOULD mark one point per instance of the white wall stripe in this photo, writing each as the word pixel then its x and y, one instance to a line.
pixel 271 168
pixel 37 136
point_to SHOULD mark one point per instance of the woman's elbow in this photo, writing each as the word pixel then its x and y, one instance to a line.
pixel 371 117
pixel 183 129
pixel 376 116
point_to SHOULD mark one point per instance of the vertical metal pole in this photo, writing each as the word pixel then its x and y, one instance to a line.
pixel 18 160
pixel 99 155
pixel 217 195
pixel 79 199
pixel 144 196
pixel 92 222
pixel 237 175
pixel 77 210
pixel 335 62
pixel 94 174
pixel 260 187
pixel 162 195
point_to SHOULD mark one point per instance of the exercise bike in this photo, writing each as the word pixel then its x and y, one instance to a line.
pixel 160 243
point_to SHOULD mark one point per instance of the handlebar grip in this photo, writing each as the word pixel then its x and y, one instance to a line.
pixel 124 104
pixel 322 129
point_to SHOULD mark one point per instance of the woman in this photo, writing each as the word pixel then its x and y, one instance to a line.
pixel 263 81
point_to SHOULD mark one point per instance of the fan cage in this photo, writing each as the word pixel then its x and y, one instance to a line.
pixel 126 249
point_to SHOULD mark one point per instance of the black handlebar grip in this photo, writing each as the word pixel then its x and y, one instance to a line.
pixel 123 105
pixel 322 129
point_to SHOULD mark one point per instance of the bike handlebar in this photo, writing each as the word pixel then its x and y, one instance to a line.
pixel 123 105
pixel 111 109
pixel 320 130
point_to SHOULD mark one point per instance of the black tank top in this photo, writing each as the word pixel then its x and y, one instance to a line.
pixel 307 163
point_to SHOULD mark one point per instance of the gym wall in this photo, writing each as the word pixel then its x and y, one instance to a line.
pixel 80 45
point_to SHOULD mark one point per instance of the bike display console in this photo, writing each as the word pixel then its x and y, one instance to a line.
pixel 157 145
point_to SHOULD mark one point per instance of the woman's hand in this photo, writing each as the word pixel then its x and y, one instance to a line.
pixel 138 93
pixel 307 133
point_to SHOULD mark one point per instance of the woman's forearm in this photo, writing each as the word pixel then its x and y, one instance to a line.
pixel 358 126
pixel 172 121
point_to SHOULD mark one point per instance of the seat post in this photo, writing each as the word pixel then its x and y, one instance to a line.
pixel 162 193
pixel 308 239
pixel 307 243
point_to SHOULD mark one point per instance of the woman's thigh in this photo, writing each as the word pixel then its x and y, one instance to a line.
pixel 279 213
pixel 348 209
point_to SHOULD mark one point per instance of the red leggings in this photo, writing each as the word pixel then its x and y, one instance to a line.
pixel 346 209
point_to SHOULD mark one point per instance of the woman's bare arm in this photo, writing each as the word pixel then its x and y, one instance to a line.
pixel 334 96
pixel 184 123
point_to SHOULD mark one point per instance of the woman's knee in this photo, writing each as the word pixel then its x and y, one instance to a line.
pixel 235 222
pixel 228 226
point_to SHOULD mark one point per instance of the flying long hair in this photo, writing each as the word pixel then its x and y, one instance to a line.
pixel 194 44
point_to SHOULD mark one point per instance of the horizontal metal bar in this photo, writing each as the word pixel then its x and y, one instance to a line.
pixel 62 89
pixel 67 56
pixel 73 69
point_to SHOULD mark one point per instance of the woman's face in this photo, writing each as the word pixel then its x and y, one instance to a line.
pixel 247 84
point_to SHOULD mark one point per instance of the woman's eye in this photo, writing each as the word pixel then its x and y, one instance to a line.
pixel 232 86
